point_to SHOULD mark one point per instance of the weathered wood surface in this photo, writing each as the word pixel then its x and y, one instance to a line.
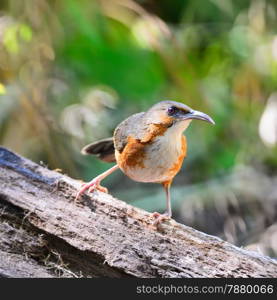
pixel 44 233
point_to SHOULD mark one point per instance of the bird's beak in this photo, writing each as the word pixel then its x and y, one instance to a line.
pixel 198 115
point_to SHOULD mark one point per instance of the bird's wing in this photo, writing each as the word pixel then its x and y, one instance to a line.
pixel 131 127
pixel 103 149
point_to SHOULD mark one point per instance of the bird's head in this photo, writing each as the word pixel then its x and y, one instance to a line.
pixel 175 114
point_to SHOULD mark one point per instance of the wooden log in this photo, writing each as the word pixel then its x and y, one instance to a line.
pixel 45 233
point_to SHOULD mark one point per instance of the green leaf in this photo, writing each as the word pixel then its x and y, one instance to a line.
pixel 10 39
pixel 25 32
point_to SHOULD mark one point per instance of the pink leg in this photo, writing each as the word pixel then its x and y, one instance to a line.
pixel 95 183
pixel 167 215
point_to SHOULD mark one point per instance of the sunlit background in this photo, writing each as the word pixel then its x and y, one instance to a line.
pixel 71 70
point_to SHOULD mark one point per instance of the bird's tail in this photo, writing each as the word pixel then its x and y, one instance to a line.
pixel 103 149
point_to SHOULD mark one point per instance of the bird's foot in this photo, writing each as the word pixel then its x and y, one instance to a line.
pixel 94 184
pixel 160 218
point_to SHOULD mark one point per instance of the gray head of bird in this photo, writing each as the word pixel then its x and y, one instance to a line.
pixel 175 114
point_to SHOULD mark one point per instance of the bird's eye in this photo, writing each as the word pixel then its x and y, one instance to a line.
pixel 172 110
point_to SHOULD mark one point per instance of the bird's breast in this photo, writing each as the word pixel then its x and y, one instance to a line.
pixel 157 160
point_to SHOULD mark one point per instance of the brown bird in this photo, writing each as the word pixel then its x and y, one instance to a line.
pixel 147 147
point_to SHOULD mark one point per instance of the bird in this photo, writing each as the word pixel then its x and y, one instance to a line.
pixel 147 147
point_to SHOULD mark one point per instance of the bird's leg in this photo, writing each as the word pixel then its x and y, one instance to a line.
pixel 95 183
pixel 168 213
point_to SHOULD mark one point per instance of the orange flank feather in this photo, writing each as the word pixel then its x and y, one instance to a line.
pixel 132 155
pixel 178 164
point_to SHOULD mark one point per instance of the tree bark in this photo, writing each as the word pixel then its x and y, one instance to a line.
pixel 45 233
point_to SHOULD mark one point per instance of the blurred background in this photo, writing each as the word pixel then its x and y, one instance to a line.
pixel 71 70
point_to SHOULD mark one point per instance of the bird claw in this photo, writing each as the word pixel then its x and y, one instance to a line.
pixel 91 186
pixel 98 187
pixel 160 218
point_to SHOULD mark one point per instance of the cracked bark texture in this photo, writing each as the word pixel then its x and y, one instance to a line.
pixel 44 233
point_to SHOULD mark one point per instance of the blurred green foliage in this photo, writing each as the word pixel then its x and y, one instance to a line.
pixel 71 70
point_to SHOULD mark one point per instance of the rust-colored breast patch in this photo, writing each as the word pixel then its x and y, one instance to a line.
pixel 178 164
pixel 133 154
pixel 154 131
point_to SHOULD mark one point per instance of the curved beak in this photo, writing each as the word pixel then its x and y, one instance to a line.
pixel 198 115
